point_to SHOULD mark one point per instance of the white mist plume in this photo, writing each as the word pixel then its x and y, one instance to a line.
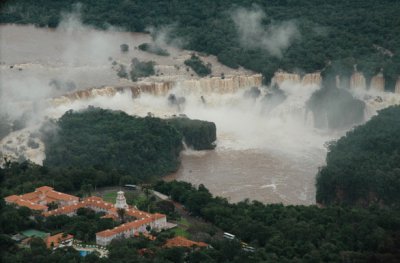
pixel 241 123
pixel 77 54
pixel 274 38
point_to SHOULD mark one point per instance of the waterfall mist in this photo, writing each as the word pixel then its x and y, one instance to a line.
pixel 267 146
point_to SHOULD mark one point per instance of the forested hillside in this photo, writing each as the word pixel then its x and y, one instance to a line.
pixel 297 233
pixel 309 33
pixel 363 167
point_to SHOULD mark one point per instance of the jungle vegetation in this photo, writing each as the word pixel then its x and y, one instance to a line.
pixel 362 32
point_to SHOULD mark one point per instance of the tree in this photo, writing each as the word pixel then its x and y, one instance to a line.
pixel 87 189
pixel 121 214
pixel 124 48
pixel 52 206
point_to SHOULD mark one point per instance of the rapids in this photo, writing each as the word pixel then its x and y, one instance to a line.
pixel 270 154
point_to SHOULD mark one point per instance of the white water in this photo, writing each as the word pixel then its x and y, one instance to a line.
pixel 269 156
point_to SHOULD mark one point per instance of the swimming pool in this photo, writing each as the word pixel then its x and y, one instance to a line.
pixel 83 253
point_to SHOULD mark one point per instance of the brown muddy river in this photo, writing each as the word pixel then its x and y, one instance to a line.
pixel 271 157
pixel 250 174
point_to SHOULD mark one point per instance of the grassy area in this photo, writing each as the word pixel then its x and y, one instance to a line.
pixel 131 198
pixel 183 222
pixel 137 200
pixel 178 231
pixel 110 197
pixel 181 229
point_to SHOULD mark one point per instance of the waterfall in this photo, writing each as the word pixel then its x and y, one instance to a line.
pixel 397 87
pixel 281 76
pixel 378 82
pixel 312 79
pixel 357 81
pixel 294 78
pixel 210 85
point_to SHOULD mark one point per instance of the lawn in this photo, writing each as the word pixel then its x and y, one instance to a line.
pixel 183 222
pixel 110 197
pixel 131 197
pixel 181 229
pixel 178 231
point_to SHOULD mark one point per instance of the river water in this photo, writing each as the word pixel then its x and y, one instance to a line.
pixel 252 174
pixel 271 156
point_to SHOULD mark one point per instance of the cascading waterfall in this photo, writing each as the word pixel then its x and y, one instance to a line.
pixel 281 139
pixel 378 82
pixel 200 86
pixel 357 81
pixel 397 87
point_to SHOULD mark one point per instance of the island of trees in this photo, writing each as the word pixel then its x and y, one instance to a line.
pixel 104 140
pixel 198 66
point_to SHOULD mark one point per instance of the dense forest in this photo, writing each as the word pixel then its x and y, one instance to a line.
pixel 279 233
pixel 358 188
pixel 105 140
pixel 112 140
pixel 363 166
pixel 362 32
pixel 199 135
pixel 96 147
pixel 298 233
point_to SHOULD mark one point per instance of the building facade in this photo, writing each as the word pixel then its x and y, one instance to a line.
pixel 41 198
pixel 141 222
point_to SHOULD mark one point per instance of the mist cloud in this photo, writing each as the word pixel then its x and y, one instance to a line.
pixel 274 38
pixel 76 56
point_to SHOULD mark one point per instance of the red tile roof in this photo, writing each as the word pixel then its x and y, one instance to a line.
pixel 56 239
pixel 125 227
pixel 11 198
pixel 22 202
pixel 63 210
pixel 33 200
pixel 44 188
pixel 179 241
pixel 46 193
pixel 61 196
